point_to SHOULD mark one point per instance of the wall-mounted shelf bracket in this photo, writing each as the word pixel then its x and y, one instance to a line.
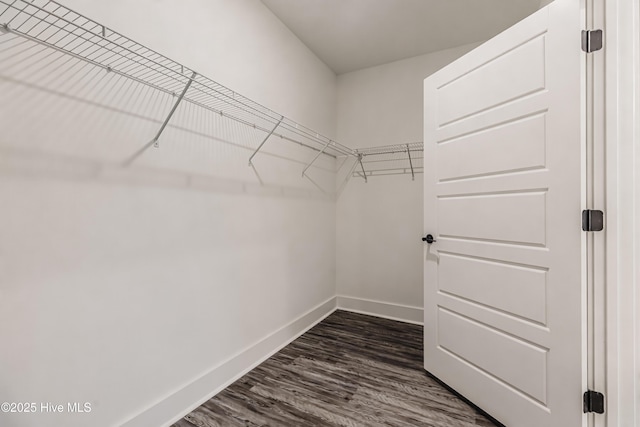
pixel 265 140
pixel 413 175
pixel 364 174
pixel 316 157
pixel 173 110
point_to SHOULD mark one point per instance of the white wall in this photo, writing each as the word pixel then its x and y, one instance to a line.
pixel 123 287
pixel 379 224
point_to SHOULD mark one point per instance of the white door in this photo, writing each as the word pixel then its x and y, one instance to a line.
pixel 504 294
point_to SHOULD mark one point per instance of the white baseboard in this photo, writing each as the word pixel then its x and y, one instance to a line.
pixel 403 313
pixel 180 403
pixel 177 405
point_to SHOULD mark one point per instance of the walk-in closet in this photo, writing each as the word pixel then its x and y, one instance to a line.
pixel 319 213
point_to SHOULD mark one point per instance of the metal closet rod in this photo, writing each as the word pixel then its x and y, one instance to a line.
pixel 74 34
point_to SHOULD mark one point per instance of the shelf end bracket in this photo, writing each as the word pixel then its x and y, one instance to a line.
pixel 173 110
pixel 265 140
pixel 364 174
pixel 413 175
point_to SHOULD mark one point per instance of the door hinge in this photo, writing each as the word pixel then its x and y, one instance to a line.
pixel 591 40
pixel 592 220
pixel 593 402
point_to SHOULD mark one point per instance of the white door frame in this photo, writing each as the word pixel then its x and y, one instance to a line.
pixel 621 121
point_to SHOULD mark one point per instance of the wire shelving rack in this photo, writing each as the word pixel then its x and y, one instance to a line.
pixel 396 159
pixel 54 26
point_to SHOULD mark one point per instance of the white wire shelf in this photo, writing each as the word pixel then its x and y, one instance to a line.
pixel 396 159
pixel 51 24
pixel 54 26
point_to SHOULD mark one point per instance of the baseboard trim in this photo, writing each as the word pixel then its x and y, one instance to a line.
pixel 387 310
pixel 183 401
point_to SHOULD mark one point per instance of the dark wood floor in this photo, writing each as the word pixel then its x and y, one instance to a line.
pixel 349 370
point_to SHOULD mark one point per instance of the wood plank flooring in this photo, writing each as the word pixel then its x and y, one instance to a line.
pixel 350 370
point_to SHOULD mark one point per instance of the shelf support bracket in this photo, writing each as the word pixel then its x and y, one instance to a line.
pixel 364 174
pixel 413 175
pixel 265 140
pixel 173 110
pixel 154 141
pixel 315 158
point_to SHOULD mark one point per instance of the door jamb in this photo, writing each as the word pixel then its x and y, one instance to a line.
pixel 595 199
pixel 622 132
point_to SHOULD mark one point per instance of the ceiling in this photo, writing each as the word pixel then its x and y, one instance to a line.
pixel 352 34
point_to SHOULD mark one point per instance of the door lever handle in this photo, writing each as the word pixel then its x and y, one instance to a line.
pixel 429 239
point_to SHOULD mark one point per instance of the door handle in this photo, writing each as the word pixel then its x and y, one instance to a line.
pixel 429 239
